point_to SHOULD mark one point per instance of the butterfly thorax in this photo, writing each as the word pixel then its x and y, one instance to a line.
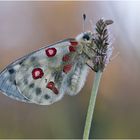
pixel 86 45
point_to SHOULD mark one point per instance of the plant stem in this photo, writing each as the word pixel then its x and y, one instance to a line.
pixel 92 104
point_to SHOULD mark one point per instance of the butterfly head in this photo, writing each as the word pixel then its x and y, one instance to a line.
pixel 85 37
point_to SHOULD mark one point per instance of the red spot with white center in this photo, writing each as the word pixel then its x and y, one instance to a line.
pixel 67 68
pixel 52 87
pixel 50 52
pixel 37 73
pixel 66 58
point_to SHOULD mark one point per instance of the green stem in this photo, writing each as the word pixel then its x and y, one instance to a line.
pixel 92 104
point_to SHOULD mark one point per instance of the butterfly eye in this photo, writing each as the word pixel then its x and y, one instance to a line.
pixel 86 36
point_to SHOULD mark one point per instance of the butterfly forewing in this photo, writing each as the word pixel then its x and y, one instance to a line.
pixel 40 77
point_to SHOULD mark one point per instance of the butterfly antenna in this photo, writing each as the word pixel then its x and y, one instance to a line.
pixel 84 19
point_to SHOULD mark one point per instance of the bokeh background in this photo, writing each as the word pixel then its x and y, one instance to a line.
pixel 27 26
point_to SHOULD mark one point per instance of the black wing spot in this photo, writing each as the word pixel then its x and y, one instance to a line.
pixel 46 80
pixel 14 82
pixel 11 71
pixel 38 91
pixel 31 85
pixel 20 63
pixel 46 96
pixel 25 81
pixel 33 58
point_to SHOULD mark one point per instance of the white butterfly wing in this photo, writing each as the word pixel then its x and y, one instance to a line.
pixel 27 86
pixel 49 67
pixel 8 83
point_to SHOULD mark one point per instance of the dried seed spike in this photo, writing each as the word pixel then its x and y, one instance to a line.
pixel 101 40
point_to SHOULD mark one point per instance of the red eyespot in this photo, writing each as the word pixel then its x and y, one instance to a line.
pixel 67 68
pixel 50 85
pixel 50 52
pixel 74 43
pixel 72 49
pixel 66 58
pixel 37 73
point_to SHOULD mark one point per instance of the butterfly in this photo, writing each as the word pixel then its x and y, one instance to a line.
pixel 44 76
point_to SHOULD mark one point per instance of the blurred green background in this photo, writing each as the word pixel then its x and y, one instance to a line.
pixel 27 26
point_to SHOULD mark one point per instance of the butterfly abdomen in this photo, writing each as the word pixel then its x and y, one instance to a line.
pixel 77 77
